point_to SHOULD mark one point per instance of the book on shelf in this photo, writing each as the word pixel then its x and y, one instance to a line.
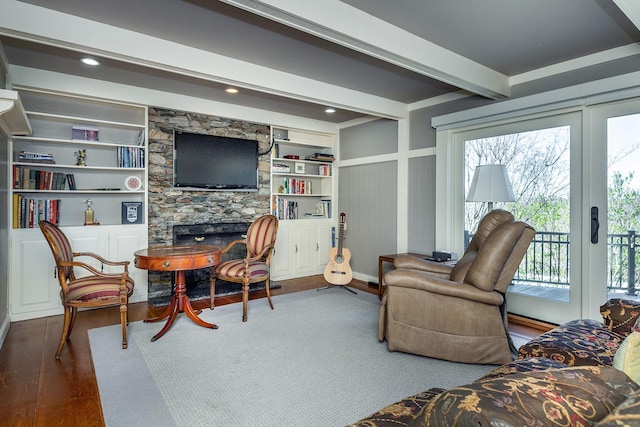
pixel 71 181
pixel 130 157
pixel 296 186
pixel 324 169
pixel 26 178
pixel 26 212
pixel 321 157
pixel 30 157
pixel 284 209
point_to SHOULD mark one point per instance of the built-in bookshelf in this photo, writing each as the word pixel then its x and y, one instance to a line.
pixel 301 175
pixel 80 149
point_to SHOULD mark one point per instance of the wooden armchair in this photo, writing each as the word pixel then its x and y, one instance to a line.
pixel 260 240
pixel 97 289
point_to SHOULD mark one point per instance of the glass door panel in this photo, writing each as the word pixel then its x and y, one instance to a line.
pixel 542 169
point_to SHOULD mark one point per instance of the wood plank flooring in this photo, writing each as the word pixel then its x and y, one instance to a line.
pixel 37 390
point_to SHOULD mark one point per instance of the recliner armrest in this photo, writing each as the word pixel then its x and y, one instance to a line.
pixel 420 280
pixel 415 263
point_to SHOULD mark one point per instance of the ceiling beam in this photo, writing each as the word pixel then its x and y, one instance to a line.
pixel 631 8
pixel 49 27
pixel 340 23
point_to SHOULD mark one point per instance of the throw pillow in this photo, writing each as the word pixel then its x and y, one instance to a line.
pixel 566 396
pixel 620 315
pixel 627 358
pixel 625 414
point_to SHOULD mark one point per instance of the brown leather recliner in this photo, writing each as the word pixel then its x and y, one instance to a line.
pixel 457 313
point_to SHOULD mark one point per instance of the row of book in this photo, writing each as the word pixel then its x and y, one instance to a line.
pixel 25 178
pixel 323 209
pixel 284 209
pixel 28 212
pixel 130 157
pixel 296 186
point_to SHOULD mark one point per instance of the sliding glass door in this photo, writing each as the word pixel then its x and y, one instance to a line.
pixel 543 161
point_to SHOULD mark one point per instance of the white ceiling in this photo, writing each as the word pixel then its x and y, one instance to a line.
pixel 364 57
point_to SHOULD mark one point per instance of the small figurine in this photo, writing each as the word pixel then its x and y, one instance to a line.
pixel 89 218
pixel 81 156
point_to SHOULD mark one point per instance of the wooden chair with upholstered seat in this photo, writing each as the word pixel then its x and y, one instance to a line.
pixel 96 289
pixel 260 240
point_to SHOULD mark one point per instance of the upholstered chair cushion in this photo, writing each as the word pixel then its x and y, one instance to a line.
pixel 92 288
pixel 487 224
pixel 63 247
pixel 261 234
pixel 235 269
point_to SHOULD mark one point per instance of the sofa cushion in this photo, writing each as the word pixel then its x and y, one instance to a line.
pixel 625 414
pixel 620 315
pixel 399 413
pixel 521 365
pixel 565 396
pixel 582 342
pixel 627 357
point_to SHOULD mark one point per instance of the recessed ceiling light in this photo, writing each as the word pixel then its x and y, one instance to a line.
pixel 330 110
pixel 231 90
pixel 90 61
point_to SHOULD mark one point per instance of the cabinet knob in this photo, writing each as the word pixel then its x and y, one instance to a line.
pixel 199 239
pixel 166 264
pixel 296 249
pixel 317 247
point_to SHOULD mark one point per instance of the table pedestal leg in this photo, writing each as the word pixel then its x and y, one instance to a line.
pixel 179 304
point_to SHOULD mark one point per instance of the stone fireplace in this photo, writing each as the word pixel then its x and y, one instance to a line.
pixel 180 216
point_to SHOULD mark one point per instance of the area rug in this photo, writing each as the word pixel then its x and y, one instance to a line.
pixel 314 360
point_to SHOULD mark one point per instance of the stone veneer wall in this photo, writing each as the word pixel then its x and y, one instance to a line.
pixel 169 207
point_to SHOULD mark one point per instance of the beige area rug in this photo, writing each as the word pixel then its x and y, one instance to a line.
pixel 313 361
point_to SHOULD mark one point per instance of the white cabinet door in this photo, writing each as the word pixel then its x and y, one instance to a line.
pixel 123 242
pixel 34 285
pixel 304 252
pixel 323 244
pixel 281 260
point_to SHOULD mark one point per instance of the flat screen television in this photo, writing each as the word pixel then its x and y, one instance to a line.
pixel 216 163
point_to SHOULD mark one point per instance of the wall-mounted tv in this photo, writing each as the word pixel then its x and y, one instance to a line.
pixel 217 163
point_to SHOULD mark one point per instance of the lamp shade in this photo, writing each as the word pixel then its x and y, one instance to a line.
pixel 490 184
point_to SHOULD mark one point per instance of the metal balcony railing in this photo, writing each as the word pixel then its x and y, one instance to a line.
pixel 546 262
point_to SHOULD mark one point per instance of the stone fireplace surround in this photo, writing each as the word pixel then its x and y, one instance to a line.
pixel 200 212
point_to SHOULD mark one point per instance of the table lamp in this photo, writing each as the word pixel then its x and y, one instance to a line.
pixel 490 184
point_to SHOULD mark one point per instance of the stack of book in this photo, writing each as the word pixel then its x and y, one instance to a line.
pixel 29 157
pixel 321 157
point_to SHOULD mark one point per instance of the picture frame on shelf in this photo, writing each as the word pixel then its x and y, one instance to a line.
pixel 131 213
pixel 85 133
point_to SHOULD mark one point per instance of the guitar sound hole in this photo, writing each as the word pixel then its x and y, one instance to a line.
pixel 339 259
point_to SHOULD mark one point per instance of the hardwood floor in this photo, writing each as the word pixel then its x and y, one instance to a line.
pixel 37 390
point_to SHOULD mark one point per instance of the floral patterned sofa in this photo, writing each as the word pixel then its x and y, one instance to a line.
pixel 583 372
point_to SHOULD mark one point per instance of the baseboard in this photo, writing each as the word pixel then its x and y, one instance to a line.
pixel 529 322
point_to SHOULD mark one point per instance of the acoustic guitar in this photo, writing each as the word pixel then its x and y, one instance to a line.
pixel 338 271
